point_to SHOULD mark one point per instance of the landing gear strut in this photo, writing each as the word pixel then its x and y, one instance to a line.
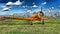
pixel 43 22
pixel 30 22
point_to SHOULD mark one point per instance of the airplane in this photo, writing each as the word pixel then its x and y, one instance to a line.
pixel 36 16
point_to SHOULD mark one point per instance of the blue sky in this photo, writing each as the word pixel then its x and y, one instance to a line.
pixel 49 3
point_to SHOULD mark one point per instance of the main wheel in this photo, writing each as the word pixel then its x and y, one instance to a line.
pixel 42 22
pixel 30 22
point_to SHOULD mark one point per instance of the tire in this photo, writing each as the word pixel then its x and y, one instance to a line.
pixel 30 22
pixel 43 22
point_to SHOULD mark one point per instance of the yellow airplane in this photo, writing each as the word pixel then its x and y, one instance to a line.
pixel 37 16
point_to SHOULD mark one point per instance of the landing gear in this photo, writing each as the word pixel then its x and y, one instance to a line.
pixel 43 22
pixel 30 22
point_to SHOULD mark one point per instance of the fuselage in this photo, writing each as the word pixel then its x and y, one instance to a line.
pixel 36 16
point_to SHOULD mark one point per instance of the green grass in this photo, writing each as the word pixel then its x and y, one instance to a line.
pixel 23 27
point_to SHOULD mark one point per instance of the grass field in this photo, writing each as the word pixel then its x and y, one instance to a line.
pixel 23 27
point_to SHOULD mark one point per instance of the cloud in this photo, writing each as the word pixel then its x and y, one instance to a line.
pixel 44 3
pixel 59 6
pixel 48 9
pixel 15 3
pixel 23 6
pixel 33 3
pixel 52 7
pixel 9 3
pixel 28 10
pixel 6 9
pixel 2 13
pixel 59 10
pixel 34 6
pixel 3 6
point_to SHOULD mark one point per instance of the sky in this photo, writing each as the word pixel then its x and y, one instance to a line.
pixel 35 4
